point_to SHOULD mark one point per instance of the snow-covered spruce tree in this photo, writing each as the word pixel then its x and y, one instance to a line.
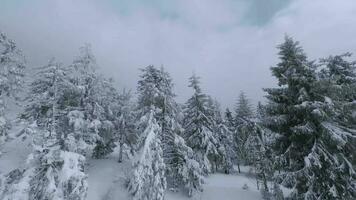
pixel 53 172
pixel 229 119
pixel 338 78
pixel 260 112
pixel 155 93
pixel 226 152
pixel 12 66
pixel 229 122
pixel 155 90
pixel 226 149
pixel 243 109
pixel 309 146
pixel 148 179
pixel 277 193
pixel 109 114
pixel 259 155
pixel 86 82
pixel 198 126
pixel 96 107
pixel 243 117
pixel 189 174
pixel 126 126
pixel 338 81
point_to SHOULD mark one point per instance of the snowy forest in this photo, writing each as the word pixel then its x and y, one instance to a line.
pixel 67 132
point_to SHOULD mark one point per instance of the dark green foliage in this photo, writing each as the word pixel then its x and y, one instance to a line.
pixel 102 149
pixel 309 145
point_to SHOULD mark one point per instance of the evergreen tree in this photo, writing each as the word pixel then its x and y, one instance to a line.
pixel 148 179
pixel 12 66
pixel 198 127
pixel 96 107
pixel 309 146
pixel 54 172
pixel 126 126
pixel 189 173
pixel 87 87
pixel 243 118
pixel 243 110
pixel 227 150
pixel 277 193
pixel 155 93
pixel 229 119
pixel 338 82
pixel 111 105
pixel 224 138
pixel 230 124
pixel 260 112
pixel 259 155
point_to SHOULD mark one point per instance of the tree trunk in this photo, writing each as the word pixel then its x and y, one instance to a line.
pixel 264 179
pixel 121 152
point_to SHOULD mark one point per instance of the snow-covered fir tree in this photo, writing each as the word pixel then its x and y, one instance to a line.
pixel 198 126
pixel 259 155
pixel 96 107
pixel 260 150
pixel 229 122
pixel 277 193
pixel 126 126
pixel 111 105
pixel 243 109
pixel 243 117
pixel 86 83
pixel 52 172
pixel 229 119
pixel 189 173
pixel 155 90
pixel 12 66
pixel 310 147
pixel 260 112
pixel 226 152
pixel 226 149
pixel 338 80
pixel 47 98
pixel 148 179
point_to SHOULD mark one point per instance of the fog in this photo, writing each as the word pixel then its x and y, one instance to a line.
pixel 230 44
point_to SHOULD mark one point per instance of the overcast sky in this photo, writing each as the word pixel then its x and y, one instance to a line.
pixel 229 43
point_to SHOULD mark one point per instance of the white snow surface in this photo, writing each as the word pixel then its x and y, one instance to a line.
pixel 14 152
pixel 106 179
pixel 224 187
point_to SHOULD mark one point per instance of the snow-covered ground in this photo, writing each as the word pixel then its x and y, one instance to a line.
pixel 106 177
pixel 14 152
pixel 224 187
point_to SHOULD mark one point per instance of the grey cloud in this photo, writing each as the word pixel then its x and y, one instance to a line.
pixel 207 38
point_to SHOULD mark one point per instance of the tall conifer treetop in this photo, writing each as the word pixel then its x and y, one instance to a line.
pixel 309 147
